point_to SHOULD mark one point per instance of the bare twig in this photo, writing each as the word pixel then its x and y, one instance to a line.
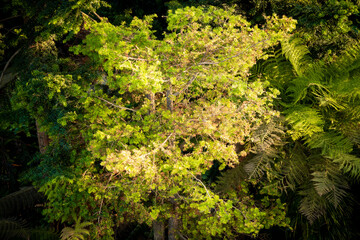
pixel 240 212
pixel 138 58
pixel 207 191
pixel 7 64
pixel 97 16
pixel 102 200
pixel 234 56
pixel 187 85
pixel 11 30
pixel 8 18
pixel 84 14
pixel 161 146
pixel 183 237
pixel 117 106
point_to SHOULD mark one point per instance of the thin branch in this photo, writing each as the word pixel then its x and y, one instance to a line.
pixel 7 64
pixel 207 191
pixel 139 59
pixel 161 146
pixel 183 237
pixel 102 200
pixel 8 18
pixel 97 16
pixel 165 140
pixel 10 30
pixel 234 56
pixel 187 85
pixel 117 106
pixel 240 212
pixel 87 16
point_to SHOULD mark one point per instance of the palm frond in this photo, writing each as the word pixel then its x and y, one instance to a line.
pixel 11 228
pixel 15 202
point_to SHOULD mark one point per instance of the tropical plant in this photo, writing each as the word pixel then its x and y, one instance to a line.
pixel 201 132
pixel 78 232
pixel 13 208
pixel 318 162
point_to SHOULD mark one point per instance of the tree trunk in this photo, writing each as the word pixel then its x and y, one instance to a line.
pixel 159 230
pixel 173 228
pixel 169 102
pixel 151 97
pixel 173 221
pixel 158 226
pixel 43 139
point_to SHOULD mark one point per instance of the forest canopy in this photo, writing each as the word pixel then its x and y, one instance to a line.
pixel 179 119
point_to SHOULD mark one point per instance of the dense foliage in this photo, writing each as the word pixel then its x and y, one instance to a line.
pixel 195 120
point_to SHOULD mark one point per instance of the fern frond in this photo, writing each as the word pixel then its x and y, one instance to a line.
pixel 343 75
pixel 305 121
pixel 309 73
pixel 231 179
pixel 299 88
pixel 354 112
pixel 15 202
pixel 266 139
pixel 327 99
pixel 351 130
pixel 312 205
pixel 294 169
pixel 298 55
pixel 259 164
pixel 348 61
pixel 276 69
pixel 330 184
pixel 76 233
pixel 349 164
pixel 331 144
pixel 346 86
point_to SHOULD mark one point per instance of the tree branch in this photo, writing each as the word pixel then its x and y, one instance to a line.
pixel 161 146
pixel 7 64
pixel 234 56
pixel 117 106
pixel 207 191
pixel 84 14
pixel 97 16
pixel 8 18
pixel 187 85
pixel 102 200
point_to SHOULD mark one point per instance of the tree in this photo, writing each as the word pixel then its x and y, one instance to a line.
pixel 135 125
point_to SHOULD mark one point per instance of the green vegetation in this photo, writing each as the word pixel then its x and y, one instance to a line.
pixel 179 119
